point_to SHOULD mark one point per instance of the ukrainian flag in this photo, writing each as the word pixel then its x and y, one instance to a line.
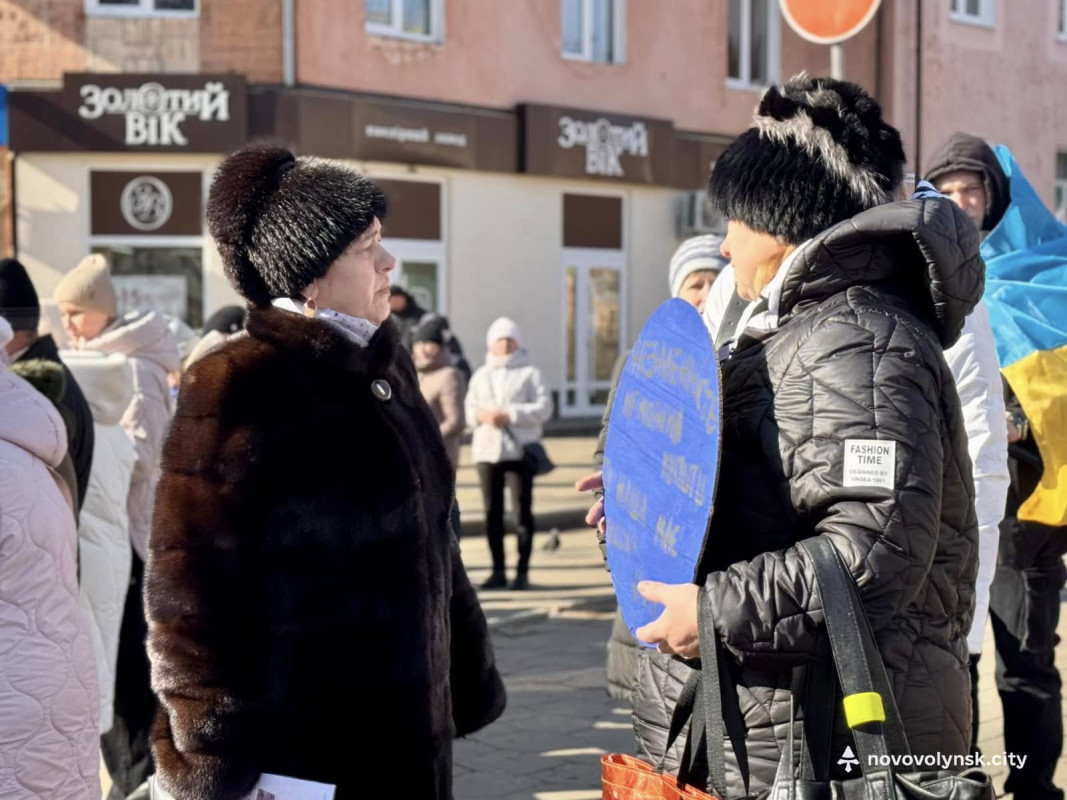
pixel 1026 291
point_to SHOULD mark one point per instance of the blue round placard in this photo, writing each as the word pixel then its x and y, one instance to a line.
pixel 662 457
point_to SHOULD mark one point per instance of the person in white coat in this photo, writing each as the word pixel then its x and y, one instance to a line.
pixel 103 532
pixel 508 403
pixel 87 302
pixel 49 729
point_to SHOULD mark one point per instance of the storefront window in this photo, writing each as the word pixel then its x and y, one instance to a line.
pixel 421 278
pixel 164 279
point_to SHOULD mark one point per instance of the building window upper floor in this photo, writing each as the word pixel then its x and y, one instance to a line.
pixel 754 43
pixel 142 8
pixel 975 12
pixel 417 20
pixel 594 30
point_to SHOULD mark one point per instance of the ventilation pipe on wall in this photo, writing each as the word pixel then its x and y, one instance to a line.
pixel 288 42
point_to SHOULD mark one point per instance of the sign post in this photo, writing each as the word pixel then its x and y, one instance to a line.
pixel 829 22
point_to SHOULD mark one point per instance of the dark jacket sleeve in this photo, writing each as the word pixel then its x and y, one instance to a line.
pixel 81 435
pixel 860 386
pixel 203 639
pixel 602 439
pixel 478 696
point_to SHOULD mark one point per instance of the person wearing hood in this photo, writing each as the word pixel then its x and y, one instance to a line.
pixel 857 298
pixel 1023 596
pixel 442 385
pixel 103 535
pixel 86 299
pixel 309 614
pixel 48 692
pixel 508 404
pixel 21 307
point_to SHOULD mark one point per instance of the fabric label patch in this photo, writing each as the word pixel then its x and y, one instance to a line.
pixel 870 462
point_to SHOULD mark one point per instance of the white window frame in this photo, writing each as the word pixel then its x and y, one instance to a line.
pixel 584 258
pixel 421 250
pixel 395 30
pixel 985 18
pixel 774 47
pixel 1060 185
pixel 144 8
pixel 618 34
pixel 1061 32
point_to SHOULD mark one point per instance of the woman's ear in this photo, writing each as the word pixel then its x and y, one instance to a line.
pixel 311 292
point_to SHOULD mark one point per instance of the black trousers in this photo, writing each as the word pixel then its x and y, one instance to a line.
pixel 1024 607
pixel 492 478
pixel 125 747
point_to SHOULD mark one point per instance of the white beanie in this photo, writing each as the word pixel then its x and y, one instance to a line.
pixel 89 286
pixel 503 328
pixel 694 255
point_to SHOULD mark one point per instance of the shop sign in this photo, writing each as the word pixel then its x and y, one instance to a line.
pixel 127 112
pixel 153 114
pixel 582 144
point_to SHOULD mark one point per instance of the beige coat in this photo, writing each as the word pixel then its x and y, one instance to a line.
pixel 443 388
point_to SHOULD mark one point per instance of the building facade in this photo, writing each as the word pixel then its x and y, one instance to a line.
pixel 543 158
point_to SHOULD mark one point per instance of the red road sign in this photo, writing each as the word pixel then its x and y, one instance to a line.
pixel 828 21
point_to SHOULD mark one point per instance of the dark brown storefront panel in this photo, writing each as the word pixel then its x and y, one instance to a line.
pixel 414 209
pixel 591 220
pixel 694 153
pixel 128 112
pixel 146 203
pixel 373 128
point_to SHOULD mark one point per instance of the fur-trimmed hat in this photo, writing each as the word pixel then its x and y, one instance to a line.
pixel 280 222
pixel 818 153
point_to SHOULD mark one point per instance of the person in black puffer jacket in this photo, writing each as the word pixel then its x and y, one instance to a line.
pixel 840 358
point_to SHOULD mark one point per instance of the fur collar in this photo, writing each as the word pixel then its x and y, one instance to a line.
pixel 321 342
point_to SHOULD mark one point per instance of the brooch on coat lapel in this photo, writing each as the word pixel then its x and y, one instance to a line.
pixel 382 390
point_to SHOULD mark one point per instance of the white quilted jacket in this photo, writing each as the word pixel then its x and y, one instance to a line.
pixel 144 338
pixel 49 731
pixel 104 525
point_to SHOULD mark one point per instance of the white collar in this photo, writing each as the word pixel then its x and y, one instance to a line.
pixel 358 331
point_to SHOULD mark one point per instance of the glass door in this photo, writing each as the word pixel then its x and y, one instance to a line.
pixel 594 322
pixel 420 269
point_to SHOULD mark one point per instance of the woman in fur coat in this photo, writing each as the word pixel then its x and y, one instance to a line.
pixel 308 611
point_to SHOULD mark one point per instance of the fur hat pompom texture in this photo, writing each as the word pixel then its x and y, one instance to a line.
pixel 280 221
pixel 818 152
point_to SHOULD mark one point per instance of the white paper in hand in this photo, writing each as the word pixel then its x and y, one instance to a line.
pixel 278 787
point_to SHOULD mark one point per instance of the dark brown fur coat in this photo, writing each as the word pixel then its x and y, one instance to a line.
pixel 308 611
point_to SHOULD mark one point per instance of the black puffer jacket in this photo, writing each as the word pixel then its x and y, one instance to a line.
pixel 865 311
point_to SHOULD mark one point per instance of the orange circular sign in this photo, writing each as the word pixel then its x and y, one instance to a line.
pixel 828 21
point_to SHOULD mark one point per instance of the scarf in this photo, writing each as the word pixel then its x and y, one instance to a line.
pixel 356 330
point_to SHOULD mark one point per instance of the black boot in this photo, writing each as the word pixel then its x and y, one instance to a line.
pixel 498 580
pixel 521 582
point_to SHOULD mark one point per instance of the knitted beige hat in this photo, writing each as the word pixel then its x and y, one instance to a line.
pixel 89 285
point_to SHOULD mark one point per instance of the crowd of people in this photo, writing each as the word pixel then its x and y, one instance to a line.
pixel 236 551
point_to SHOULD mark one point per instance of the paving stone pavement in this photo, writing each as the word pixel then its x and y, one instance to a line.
pixel 550 644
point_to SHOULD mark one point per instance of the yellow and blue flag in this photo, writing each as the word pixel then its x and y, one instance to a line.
pixel 1026 292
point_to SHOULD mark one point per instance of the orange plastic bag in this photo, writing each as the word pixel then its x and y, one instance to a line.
pixel 628 778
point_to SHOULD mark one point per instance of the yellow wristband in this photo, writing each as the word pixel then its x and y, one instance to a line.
pixel 862 708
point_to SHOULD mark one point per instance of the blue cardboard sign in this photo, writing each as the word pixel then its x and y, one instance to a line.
pixel 662 457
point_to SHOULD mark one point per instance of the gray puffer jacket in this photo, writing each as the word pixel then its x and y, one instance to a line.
pixel 865 311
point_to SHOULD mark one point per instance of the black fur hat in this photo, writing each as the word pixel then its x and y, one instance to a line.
pixel 818 153
pixel 280 222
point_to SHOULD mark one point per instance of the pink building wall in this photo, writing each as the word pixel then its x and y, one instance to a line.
pixel 499 54
pixel 1007 83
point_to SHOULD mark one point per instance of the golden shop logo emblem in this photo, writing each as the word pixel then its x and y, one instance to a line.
pixel 154 114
